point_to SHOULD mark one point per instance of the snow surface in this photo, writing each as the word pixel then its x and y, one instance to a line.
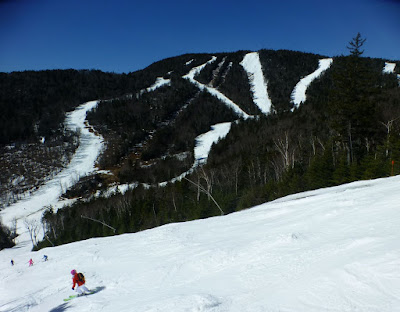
pixel 389 68
pixel 299 91
pixel 205 141
pixel 160 81
pixel 251 64
pixel 334 249
pixel 202 148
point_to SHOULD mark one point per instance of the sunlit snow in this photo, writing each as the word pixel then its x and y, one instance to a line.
pixel 251 64
pixel 389 68
pixel 299 91
pixel 334 249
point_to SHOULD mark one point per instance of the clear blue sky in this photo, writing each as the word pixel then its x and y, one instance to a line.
pixel 127 35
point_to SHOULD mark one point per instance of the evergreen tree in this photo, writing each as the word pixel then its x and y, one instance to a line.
pixel 352 110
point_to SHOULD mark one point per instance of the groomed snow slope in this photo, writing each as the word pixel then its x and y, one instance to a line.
pixel 335 249
pixel 299 91
pixel 251 64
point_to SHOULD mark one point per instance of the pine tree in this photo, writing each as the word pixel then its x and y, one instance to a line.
pixel 353 113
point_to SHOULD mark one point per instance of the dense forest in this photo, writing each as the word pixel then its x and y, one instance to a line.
pixel 348 129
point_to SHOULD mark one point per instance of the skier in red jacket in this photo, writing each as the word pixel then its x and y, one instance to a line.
pixel 81 289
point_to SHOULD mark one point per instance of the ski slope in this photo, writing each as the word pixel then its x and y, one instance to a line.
pixel 333 249
pixel 299 91
pixel 389 69
pixel 252 66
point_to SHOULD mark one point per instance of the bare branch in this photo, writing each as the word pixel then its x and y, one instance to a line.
pixel 202 189
pixel 99 222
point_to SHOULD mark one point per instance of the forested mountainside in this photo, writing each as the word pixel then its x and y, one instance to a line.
pixel 347 129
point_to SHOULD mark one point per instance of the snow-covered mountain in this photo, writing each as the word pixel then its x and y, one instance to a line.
pixel 333 249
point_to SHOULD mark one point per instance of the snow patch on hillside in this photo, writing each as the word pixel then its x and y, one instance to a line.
pixel 160 81
pixel 205 141
pixel 299 92
pixel 203 146
pixel 389 68
pixel 251 64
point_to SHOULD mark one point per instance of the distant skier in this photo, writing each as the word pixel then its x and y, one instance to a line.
pixel 30 262
pixel 12 262
pixel 79 279
pixel 45 258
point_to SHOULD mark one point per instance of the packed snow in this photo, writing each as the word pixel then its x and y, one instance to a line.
pixel 205 141
pixel 299 91
pixel 251 64
pixel 334 249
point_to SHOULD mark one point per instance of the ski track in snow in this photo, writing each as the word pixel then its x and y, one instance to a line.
pixel 299 91
pixel 251 64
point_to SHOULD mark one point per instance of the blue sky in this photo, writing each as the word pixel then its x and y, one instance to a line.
pixel 124 36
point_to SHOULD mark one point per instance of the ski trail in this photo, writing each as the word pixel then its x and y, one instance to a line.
pixel 82 163
pixel 251 64
pixel 213 91
pixel 160 81
pixel 299 92
pixel 389 69
pixel 205 141
pixel 203 146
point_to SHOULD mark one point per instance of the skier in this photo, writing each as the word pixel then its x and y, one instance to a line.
pixel 81 289
pixel 12 262
pixel 45 258
pixel 30 262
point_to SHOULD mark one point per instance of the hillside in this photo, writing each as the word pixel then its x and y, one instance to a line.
pixel 276 123
pixel 333 249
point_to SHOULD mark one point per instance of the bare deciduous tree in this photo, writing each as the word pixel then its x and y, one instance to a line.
pixel 32 226
pixel 202 189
